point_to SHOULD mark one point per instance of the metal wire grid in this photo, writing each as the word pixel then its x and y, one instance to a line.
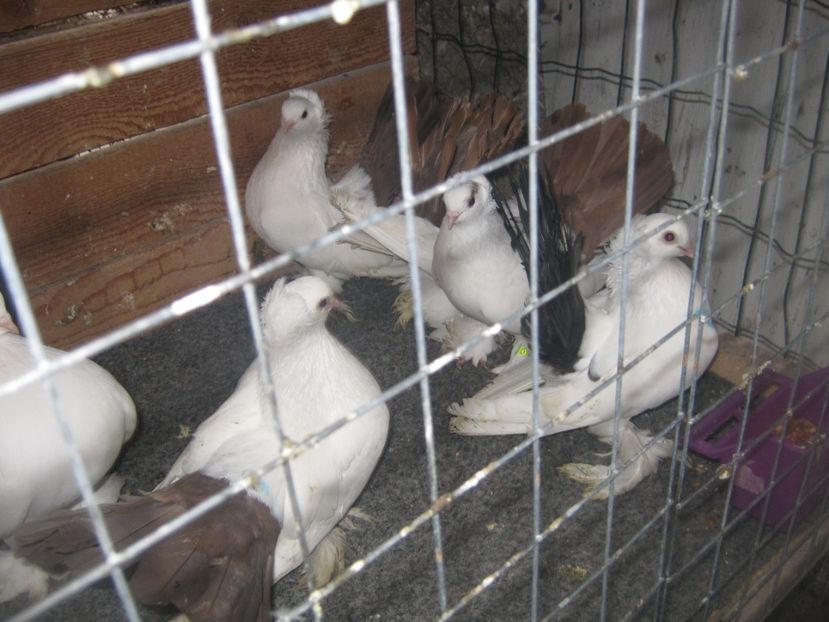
pixel 707 211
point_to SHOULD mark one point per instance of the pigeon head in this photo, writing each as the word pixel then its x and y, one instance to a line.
pixel 674 241
pixel 294 307
pixel 303 112
pixel 466 200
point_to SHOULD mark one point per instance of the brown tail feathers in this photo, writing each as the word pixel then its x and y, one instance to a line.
pixel 446 136
pixel 588 173
pixel 217 568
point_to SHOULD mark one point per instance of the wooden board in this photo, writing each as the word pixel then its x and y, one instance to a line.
pixel 107 237
pixel 57 129
pixel 733 360
pixel 17 14
pixel 804 551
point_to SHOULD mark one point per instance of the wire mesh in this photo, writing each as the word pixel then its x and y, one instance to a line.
pixel 712 206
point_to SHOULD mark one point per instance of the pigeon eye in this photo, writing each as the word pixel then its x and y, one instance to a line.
pixel 322 303
pixel 669 236
pixel 471 200
pixel 304 114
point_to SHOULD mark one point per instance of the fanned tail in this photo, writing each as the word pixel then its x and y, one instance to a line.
pixel 562 319
pixel 446 136
pixel 207 570
pixel 588 173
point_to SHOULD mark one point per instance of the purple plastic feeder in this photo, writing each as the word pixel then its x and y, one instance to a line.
pixel 805 451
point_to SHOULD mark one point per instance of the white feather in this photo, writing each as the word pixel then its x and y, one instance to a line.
pixel 288 198
pixel 36 475
pixel 450 326
pixel 317 382
pixel 657 302
pixel 474 262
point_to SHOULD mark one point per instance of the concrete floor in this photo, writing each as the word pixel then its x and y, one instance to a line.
pixel 180 373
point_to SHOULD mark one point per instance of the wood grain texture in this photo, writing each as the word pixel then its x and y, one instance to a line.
pixel 733 360
pixel 18 14
pixel 57 129
pixel 105 238
pixel 766 589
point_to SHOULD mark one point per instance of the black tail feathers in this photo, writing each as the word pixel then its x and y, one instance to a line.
pixel 562 319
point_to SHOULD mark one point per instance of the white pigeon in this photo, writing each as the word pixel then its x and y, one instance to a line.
pixel 474 262
pixel 36 474
pixel 289 197
pixel 317 382
pixel 658 291
pixel 450 326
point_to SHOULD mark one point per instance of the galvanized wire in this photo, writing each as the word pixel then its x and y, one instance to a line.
pixel 221 140
pixel 205 47
pixel 721 88
pixel 533 51
pixel 761 304
pixel 407 187
pixel 623 290
pixel 808 317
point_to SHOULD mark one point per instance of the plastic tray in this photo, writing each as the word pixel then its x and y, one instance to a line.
pixel 807 457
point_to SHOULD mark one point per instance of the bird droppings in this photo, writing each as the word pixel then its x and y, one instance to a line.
pixel 69 316
pixel 724 471
pixel 128 300
pixel 572 571
pixel 210 169
pixel 184 431
pixel 712 522
pixel 166 223
pixel 162 224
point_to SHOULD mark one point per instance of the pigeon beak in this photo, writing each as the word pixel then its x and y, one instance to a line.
pixel 337 304
pixel 687 251
pixel 287 125
pixel 452 218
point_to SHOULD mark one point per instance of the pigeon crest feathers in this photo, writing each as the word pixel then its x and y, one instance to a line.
pixel 674 241
pixel 304 110
pixel 293 307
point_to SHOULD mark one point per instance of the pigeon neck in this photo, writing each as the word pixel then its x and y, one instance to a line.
pixel 301 159
pixel 639 269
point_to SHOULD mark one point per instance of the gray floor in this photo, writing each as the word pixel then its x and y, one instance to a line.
pixel 180 373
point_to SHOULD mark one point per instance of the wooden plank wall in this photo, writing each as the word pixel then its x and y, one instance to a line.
pixel 16 15
pixel 107 236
